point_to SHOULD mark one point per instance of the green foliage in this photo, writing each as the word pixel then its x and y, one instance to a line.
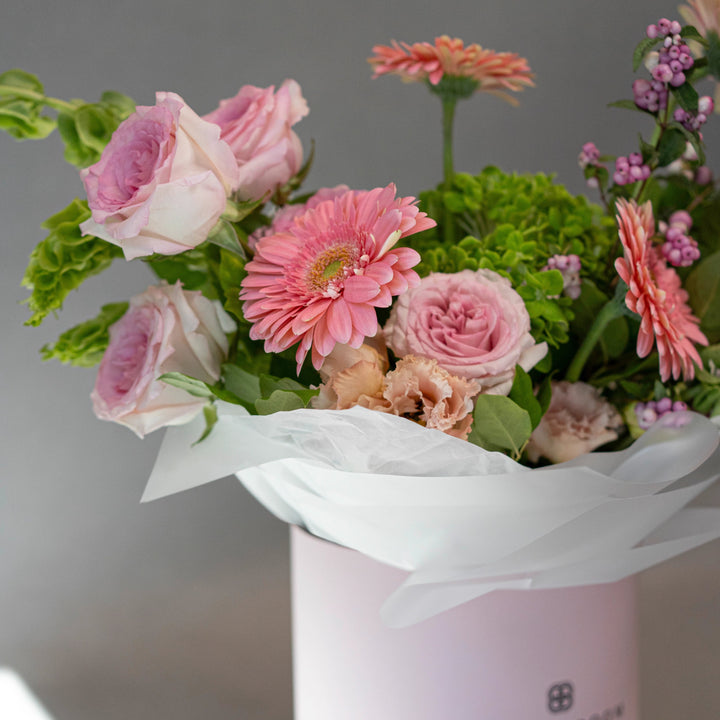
pixel 713 54
pixel 642 49
pixel 514 224
pixel 500 425
pixel 522 395
pixel 189 267
pixel 21 104
pixel 85 344
pixel 63 260
pixel 87 129
pixel 703 285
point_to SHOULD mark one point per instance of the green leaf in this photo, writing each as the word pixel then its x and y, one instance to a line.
pixel 544 394
pixel 241 383
pixel 713 54
pixel 694 139
pixel 279 401
pixel 522 394
pixel 223 235
pixel 63 260
pixel 189 267
pixel 237 211
pixel 198 388
pixel 499 423
pixel 703 285
pixel 642 49
pixel 84 345
pixel 629 105
pixel 269 385
pixel 689 32
pixel 211 418
pixel 191 385
pixel 671 147
pixel 687 97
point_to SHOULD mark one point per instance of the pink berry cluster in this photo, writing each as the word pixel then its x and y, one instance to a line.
pixel 589 155
pixel 569 266
pixel 679 249
pixel 691 121
pixel 650 412
pixel 650 96
pixel 630 169
pixel 674 59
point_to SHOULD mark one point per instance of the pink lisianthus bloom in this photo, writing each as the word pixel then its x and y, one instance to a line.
pixel 655 293
pixel 494 72
pixel 257 123
pixel 319 283
pixel 166 329
pixel 162 181
pixel 577 421
pixel 473 323
pixel 285 216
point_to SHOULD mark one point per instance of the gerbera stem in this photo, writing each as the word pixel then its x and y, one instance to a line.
pixel 448 107
pixel 612 309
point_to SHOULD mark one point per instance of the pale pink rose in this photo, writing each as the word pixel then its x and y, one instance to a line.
pixel 577 421
pixel 166 329
pixel 285 217
pixel 352 376
pixel 473 323
pixel 419 389
pixel 162 181
pixel 257 123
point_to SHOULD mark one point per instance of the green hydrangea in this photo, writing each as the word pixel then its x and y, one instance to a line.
pixel 513 224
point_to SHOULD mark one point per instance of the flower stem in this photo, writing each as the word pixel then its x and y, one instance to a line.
pixel 448 108
pixel 609 312
pixel 54 103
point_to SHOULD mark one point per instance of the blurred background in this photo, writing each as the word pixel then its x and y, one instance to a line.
pixel 179 609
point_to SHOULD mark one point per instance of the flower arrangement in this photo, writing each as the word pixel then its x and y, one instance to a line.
pixel 498 308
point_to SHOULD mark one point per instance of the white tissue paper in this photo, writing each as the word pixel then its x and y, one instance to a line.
pixel 462 521
pixel 16 701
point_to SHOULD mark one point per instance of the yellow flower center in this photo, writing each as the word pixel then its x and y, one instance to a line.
pixel 330 267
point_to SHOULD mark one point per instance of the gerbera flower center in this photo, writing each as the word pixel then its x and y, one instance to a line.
pixel 330 267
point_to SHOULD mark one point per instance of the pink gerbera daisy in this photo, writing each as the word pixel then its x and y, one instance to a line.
pixel 318 283
pixel 494 72
pixel 703 14
pixel 655 293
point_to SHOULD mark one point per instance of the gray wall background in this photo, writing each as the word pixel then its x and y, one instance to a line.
pixel 180 608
